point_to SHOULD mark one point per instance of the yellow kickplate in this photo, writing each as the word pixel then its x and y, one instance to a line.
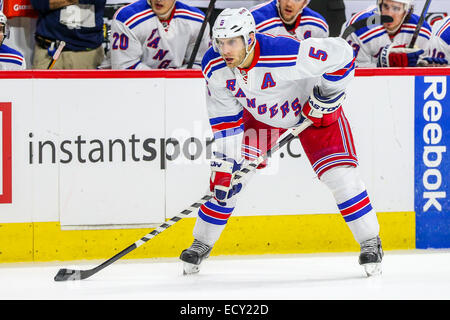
pixel 45 241
pixel 16 242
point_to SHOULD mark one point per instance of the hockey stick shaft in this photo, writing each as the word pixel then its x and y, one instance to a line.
pixel 56 55
pixel 419 24
pixel 200 34
pixel 67 274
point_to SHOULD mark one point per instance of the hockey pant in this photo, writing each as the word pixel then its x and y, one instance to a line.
pixel 332 155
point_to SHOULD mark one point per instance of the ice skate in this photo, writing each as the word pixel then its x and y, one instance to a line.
pixel 193 257
pixel 371 256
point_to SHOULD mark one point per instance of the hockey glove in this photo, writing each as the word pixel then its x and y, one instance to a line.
pixel 222 175
pixel 323 111
pixel 399 56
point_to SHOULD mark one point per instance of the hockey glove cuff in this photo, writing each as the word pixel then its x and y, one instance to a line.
pixel 222 175
pixel 399 56
pixel 323 111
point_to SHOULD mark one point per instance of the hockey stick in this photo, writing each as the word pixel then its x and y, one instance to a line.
pixel 70 274
pixel 367 22
pixel 200 34
pixel 56 54
pixel 419 24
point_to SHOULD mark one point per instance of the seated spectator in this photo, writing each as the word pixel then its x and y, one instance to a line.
pixel 10 59
pixel 386 45
pixel 290 17
pixel 157 34
pixel 79 23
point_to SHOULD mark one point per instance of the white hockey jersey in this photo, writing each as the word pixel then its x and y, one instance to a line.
pixel 369 41
pixel 275 87
pixel 139 40
pixel 440 40
pixel 11 59
pixel 308 24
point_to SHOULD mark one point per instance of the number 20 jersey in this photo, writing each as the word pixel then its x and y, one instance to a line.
pixel 139 40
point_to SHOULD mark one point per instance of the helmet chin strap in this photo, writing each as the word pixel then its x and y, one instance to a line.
pixel 399 25
pixel 248 51
pixel 5 33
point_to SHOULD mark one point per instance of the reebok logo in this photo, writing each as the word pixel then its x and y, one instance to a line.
pixel 432 137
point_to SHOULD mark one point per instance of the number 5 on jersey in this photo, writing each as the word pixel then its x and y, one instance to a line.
pixel 318 54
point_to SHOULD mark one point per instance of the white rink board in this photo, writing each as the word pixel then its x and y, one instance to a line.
pixel 134 191
pixel 383 124
pixel 119 192
pixel 24 183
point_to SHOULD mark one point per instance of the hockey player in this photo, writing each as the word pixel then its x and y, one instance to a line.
pixel 10 59
pixel 386 45
pixel 290 17
pixel 440 41
pixel 156 34
pixel 258 86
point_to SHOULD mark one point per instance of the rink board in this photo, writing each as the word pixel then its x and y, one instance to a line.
pixel 93 160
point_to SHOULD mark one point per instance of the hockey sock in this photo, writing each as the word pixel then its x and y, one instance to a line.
pixel 353 201
pixel 211 220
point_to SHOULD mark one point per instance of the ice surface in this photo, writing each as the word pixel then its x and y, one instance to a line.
pixel 412 274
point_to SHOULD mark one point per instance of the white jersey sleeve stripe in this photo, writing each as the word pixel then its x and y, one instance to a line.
pixel 370 32
pixel 210 66
pixel 308 20
pixel 188 15
pixel 138 18
pixel 412 27
pixel 356 16
pixel 443 28
pixel 270 24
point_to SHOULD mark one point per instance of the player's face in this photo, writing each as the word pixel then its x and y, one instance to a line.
pixel 161 7
pixel 394 9
pixel 290 8
pixel 2 33
pixel 232 50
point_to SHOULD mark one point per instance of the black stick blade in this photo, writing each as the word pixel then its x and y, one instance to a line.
pixel 68 274
pixel 367 22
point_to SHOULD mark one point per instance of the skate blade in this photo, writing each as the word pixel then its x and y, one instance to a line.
pixel 373 269
pixel 189 268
